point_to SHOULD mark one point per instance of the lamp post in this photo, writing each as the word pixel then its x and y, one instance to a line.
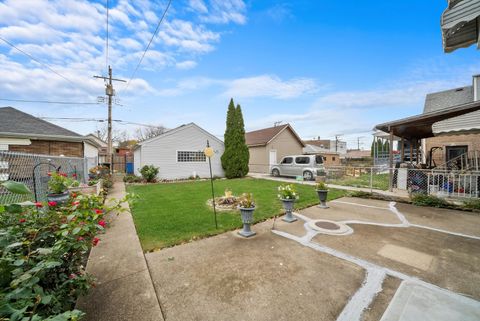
pixel 208 151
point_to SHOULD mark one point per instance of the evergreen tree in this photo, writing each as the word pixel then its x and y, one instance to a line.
pixel 228 138
pixel 372 148
pixel 241 147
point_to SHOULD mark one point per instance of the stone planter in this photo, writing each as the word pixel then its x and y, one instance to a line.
pixel 247 220
pixel 59 198
pixel 288 206
pixel 322 196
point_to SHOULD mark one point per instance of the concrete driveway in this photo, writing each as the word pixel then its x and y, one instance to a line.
pixel 395 259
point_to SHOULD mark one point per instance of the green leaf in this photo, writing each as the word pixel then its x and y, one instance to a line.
pixel 44 251
pixel 70 217
pixel 14 208
pixel 65 233
pixel 52 264
pixel 13 245
pixel 76 230
pixel 46 299
pixel 19 262
pixel 16 187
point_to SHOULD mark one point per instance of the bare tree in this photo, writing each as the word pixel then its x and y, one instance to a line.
pixel 143 133
pixel 118 135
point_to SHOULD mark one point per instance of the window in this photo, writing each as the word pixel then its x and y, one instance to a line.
pixel 190 157
pixel 287 160
pixel 302 160
pixel 333 158
pixel 319 159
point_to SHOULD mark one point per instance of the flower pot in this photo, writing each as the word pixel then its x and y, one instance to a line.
pixel 322 196
pixel 61 198
pixel 288 206
pixel 247 220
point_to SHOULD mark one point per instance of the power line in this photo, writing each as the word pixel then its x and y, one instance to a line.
pixel 149 43
pixel 38 61
pixel 106 45
pixel 49 102
pixel 100 120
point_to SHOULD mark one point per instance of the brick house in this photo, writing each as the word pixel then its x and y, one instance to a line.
pixel 458 135
pixel 22 132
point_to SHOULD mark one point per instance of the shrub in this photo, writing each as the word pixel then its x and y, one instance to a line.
pixel 42 252
pixel 428 200
pixel 287 192
pixel 132 179
pixel 472 204
pixel 246 201
pixel 59 182
pixel 149 173
pixel 321 186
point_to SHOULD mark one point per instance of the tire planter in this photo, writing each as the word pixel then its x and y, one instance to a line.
pixel 322 196
pixel 288 206
pixel 59 198
pixel 247 220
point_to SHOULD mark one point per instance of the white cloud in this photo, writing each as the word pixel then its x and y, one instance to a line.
pixel 225 11
pixel 270 86
pixel 198 5
pixel 187 64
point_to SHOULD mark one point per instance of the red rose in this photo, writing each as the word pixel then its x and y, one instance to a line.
pixel 75 203
pixel 49 174
pixel 95 241
pixel 74 175
pixel 102 223
pixel 22 220
pixel 80 238
pixel 38 204
pixel 52 203
pixel 73 195
pixel 97 211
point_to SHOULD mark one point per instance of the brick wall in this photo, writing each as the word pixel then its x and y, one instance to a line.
pixel 470 140
pixel 54 148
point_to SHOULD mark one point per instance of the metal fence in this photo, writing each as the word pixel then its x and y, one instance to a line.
pixel 33 169
pixel 437 182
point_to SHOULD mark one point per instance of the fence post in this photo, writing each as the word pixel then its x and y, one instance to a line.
pixel 371 179
pixel 85 170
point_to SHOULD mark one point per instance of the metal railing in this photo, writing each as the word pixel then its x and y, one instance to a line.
pixel 33 169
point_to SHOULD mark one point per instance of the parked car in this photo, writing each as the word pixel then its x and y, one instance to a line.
pixel 308 166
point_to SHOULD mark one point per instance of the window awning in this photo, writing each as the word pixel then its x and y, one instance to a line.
pixel 461 24
pixel 420 126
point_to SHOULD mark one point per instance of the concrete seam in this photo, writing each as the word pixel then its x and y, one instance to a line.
pixel 162 311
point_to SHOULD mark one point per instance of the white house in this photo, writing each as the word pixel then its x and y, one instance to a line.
pixel 179 153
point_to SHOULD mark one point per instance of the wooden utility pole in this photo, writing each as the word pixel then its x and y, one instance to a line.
pixel 110 92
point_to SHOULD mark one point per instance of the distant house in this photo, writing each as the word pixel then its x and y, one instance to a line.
pixel 102 148
pixel 354 154
pixel 179 153
pixel 326 145
pixel 458 135
pixel 22 132
pixel 267 146
pixel 329 158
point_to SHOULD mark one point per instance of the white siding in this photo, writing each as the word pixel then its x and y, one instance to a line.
pixel 162 152
pixel 90 150
pixel 137 160
pixel 467 122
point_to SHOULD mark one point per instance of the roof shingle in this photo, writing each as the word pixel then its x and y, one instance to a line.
pixel 262 136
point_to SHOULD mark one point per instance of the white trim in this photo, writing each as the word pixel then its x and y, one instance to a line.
pixel 175 130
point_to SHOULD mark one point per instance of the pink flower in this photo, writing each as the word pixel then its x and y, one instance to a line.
pixel 95 241
pixel 22 220
pixel 97 211
pixel 80 238
pixel 76 203
pixel 72 276
pixel 38 204
pixel 102 223
pixel 52 203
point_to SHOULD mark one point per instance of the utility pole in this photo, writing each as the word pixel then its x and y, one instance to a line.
pixel 336 142
pixel 358 142
pixel 110 92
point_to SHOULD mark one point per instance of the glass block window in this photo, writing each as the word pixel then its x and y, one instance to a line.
pixel 190 157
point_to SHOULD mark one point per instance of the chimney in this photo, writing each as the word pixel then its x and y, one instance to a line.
pixel 476 87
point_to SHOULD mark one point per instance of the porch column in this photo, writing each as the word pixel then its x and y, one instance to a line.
pixel 390 161
pixel 402 156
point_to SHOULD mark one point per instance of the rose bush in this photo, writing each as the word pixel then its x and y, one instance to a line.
pixel 43 252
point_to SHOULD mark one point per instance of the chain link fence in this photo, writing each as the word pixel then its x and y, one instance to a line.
pixel 32 170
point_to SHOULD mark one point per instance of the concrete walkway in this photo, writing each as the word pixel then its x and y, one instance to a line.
pixel 124 289
pixel 394 194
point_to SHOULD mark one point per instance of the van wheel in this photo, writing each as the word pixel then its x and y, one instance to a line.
pixel 275 172
pixel 307 175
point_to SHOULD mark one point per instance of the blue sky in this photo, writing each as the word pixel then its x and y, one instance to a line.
pixel 327 67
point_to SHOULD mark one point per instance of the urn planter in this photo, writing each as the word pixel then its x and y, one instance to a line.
pixel 247 220
pixel 61 198
pixel 288 206
pixel 322 196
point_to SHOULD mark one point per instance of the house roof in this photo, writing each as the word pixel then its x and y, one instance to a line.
pixel 18 123
pixel 264 136
pixel 174 130
pixel 358 154
pixel 448 98
pixel 421 126
pixel 325 143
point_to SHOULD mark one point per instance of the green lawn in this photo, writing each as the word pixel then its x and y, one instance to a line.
pixel 169 214
pixel 380 181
